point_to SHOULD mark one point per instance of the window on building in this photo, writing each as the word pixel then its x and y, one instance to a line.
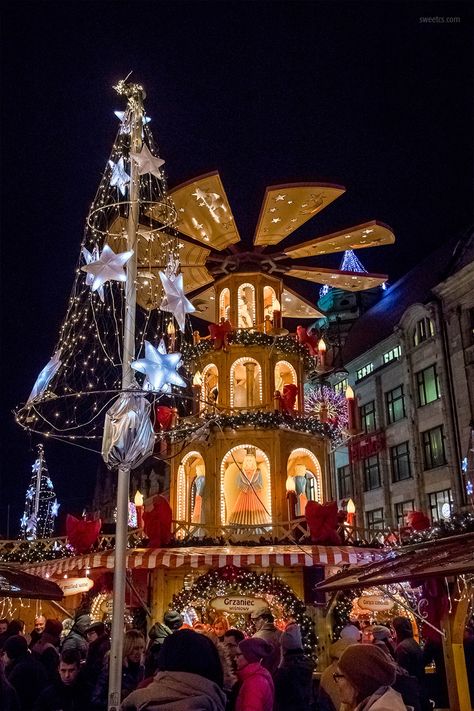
pixel 375 519
pixel 427 383
pixel 367 416
pixel 400 459
pixel 392 354
pixel 344 479
pixel 365 370
pixel 395 403
pixel 433 447
pixel 401 510
pixel 441 505
pixel 341 387
pixel 424 329
pixel 372 473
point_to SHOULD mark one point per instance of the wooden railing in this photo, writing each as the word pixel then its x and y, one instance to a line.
pixel 185 532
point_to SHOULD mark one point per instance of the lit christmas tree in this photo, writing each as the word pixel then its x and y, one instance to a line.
pixel 41 504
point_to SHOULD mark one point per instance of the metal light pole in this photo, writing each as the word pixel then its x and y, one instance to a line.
pixel 135 102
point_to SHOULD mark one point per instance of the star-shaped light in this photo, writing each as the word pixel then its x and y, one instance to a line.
pixel 35 467
pixel 119 177
pixel 124 118
pixel 29 494
pixel 23 521
pixel 108 267
pixel 45 377
pixel 159 368
pixel 55 508
pixel 49 483
pixel 174 299
pixel 147 162
pixel 90 257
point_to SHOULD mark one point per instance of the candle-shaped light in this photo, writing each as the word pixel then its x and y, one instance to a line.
pixel 351 409
pixel 138 501
pixel 197 384
pixel 321 354
pixel 351 510
pixel 171 336
pixel 276 314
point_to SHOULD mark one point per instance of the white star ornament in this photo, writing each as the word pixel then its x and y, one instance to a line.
pixel 108 267
pixel 147 162
pixel 174 299
pixel 90 257
pixel 159 369
pixel 119 177
pixel 45 377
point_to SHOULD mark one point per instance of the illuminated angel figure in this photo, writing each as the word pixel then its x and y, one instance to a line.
pixel 249 509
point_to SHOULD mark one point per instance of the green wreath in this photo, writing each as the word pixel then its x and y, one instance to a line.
pixel 241 581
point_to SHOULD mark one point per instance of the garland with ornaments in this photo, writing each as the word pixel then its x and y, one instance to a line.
pixel 285 605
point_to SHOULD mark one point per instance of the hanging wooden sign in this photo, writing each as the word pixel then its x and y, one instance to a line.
pixel 238 604
pixel 74 586
pixel 375 603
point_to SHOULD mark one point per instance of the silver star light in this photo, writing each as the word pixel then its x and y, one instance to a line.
pixel 119 177
pixel 45 377
pixel 55 508
pixel 108 267
pixel 147 162
pixel 174 299
pixel 90 257
pixel 159 368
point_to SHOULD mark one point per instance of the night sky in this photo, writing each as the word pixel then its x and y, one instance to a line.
pixel 365 95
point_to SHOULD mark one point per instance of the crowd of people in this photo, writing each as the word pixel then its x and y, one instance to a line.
pixel 209 667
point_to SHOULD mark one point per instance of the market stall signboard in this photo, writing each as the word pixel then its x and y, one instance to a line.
pixel 238 604
pixel 375 603
pixel 73 586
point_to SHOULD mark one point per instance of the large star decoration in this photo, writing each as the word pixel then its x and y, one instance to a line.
pixel 124 118
pixel 147 162
pixel 174 299
pixel 89 258
pixel 55 508
pixel 159 368
pixel 119 177
pixel 45 377
pixel 108 267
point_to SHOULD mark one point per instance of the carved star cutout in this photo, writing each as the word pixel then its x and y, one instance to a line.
pixel 276 219
pixel 159 368
pixel 45 377
pixel 174 299
pixel 280 197
pixel 147 162
pixel 119 177
pixel 108 267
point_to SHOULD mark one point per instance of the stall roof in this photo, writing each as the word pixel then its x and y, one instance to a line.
pixel 195 557
pixel 16 583
pixel 435 558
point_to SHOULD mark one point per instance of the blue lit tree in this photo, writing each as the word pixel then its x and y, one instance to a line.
pixel 41 504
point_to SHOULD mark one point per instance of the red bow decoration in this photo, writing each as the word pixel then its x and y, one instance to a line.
pixel 163 417
pixel 418 521
pixel 82 534
pixel 219 333
pixel 157 522
pixel 308 339
pixel 322 522
pixel 288 397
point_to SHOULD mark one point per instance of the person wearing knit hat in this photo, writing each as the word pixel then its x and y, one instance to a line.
pixel 351 633
pixel 293 679
pixel 365 674
pixel 173 620
pixel 329 698
pixel 256 690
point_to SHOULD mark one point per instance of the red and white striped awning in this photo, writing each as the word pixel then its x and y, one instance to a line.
pixel 213 557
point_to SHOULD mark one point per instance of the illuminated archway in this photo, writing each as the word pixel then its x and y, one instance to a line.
pixel 224 304
pixel 246 306
pixel 210 386
pixel 245 383
pixel 190 483
pixel 245 491
pixel 269 298
pixel 285 374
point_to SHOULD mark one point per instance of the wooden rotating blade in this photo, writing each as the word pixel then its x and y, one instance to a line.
pixel 370 234
pixel 349 281
pixel 204 212
pixel 287 207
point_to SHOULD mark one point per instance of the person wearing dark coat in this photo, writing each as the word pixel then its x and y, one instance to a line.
pixel 409 655
pixel 294 677
pixel 99 645
pixel 133 670
pixel 46 650
pixel 76 639
pixel 14 627
pixel 70 691
pixel 37 631
pixel 23 671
